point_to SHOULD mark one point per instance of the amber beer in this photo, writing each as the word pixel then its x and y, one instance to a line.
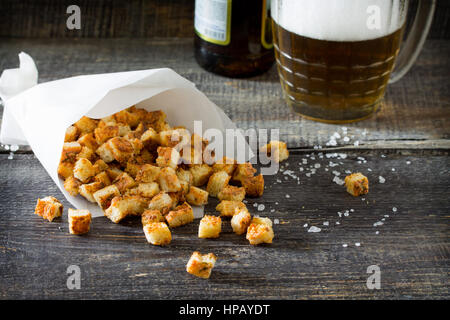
pixel 331 70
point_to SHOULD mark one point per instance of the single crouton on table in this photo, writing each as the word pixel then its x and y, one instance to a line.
pixel 79 221
pixel 260 231
pixel 277 150
pixel 357 184
pixel 210 227
pixel 48 208
pixel 157 233
pixel 201 265
pixel 240 221
pixel 181 215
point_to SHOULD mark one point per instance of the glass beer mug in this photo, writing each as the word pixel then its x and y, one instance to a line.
pixel 336 57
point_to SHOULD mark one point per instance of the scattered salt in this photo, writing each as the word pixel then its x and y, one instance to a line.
pixel 326 223
pixel 314 229
pixel 378 223
pixel 345 245
pixel 357 244
pixel 394 209
pixel 381 179
pixel 261 207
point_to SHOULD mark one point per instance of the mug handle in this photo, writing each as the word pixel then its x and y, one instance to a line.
pixel 415 40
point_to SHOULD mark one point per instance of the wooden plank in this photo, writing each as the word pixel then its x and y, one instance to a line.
pixel 130 18
pixel 411 249
pixel 416 109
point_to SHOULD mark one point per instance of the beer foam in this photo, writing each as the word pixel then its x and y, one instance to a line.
pixel 340 20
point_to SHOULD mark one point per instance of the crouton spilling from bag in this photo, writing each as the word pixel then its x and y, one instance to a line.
pixel 79 221
pixel 48 208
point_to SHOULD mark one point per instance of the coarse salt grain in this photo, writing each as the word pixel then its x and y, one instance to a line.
pixel 381 179
pixel 314 229
pixel 261 207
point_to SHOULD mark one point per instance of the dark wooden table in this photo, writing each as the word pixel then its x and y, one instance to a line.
pixel 402 225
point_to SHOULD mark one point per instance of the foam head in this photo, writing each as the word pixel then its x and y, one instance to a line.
pixel 340 20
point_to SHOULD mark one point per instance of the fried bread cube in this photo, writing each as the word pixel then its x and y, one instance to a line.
pixel 88 140
pixel 210 227
pixel 133 167
pixel 157 233
pixel 71 134
pixel 86 153
pixel 86 125
pixel 122 207
pixel 146 190
pixel 150 139
pixel 113 172
pixel 148 173
pixel 168 180
pixel 260 231
pixel 232 193
pixel 197 196
pixel 65 170
pixel 175 138
pixel 49 208
pixel 156 120
pixel 105 153
pixel 181 215
pixel 124 182
pixel 103 178
pixel 357 184
pixel 100 166
pixel 104 196
pixel 79 221
pixel 240 221
pixel 167 157
pixel 83 170
pixel 72 185
pixel 162 202
pixel 201 265
pixel 150 216
pixel 185 175
pixel 227 208
pixel 126 117
pixel 243 170
pixel 254 186
pixel 225 164
pixel 105 133
pixel 87 190
pixel 120 148
pixel 70 151
pixel 200 174
pixel 217 182
pixel 277 150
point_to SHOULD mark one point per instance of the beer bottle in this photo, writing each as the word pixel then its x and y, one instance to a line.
pixel 233 38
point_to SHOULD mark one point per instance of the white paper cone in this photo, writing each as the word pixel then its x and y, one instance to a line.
pixel 41 114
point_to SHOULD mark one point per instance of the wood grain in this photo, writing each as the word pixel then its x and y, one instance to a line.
pixel 415 110
pixel 412 247
pixel 130 18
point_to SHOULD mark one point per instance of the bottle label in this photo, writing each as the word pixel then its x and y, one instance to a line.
pixel 213 21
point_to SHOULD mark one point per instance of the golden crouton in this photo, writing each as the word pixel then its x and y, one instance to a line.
pixel 150 216
pixel 157 233
pixel 191 156
pixel 107 121
pixel 357 184
pixel 217 182
pixel 150 139
pixel 200 174
pixel 156 120
pixel 240 221
pixel 100 166
pixel 260 231
pixel 185 175
pixel 86 153
pixel 254 186
pixel 88 140
pixel 277 150
pixel 133 167
pixel 136 144
pixel 201 265
pixel 71 185
pixel 162 202
pixel 113 172
pixel 48 208
pixel 129 118
pixel 124 181
pixel 70 151
pixel 122 207
pixel 225 164
pixel 196 196
pixel 179 216
pixel 71 134
pixel 168 180
pixel 79 221
pixel 105 133
pixel 105 153
pixel 227 208
pixel 83 170
pixel 65 170
pixel 146 190
pixel 175 138
pixel 177 197
pixel 104 196
pixel 88 190
pixel 232 193
pixel 86 125
pixel 167 157
pixel 243 170
pixel 120 148
pixel 103 178
pixel 148 173
pixel 210 227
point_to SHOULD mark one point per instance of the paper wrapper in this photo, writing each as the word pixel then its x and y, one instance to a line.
pixel 40 115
